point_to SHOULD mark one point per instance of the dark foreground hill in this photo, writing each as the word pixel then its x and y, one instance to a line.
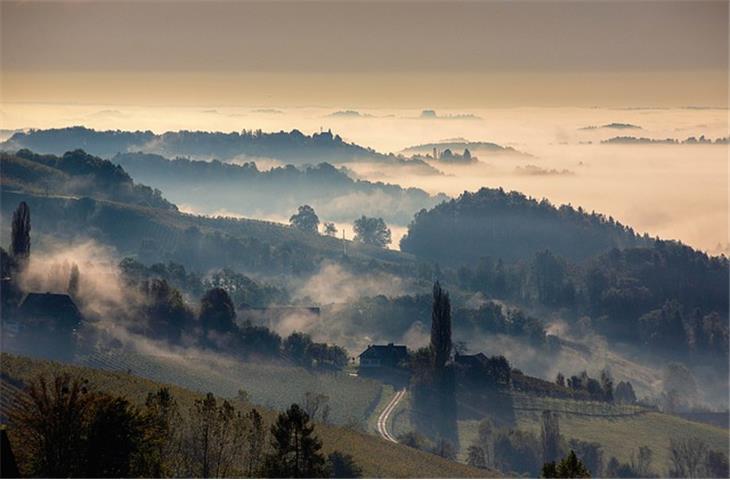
pixel 293 147
pixel 378 458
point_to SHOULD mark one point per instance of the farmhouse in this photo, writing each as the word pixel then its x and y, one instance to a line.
pixel 55 312
pixel 383 356
pixel 48 323
pixel 478 360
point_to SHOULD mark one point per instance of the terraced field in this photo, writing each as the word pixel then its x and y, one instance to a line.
pixel 620 429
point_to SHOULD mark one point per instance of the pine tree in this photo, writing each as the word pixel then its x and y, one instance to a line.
pixel 569 467
pixel 296 450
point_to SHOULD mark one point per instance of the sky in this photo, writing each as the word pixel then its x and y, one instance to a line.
pixel 446 54
pixel 531 73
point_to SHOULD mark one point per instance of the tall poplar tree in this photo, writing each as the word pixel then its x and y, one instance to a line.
pixel 440 327
pixel 20 233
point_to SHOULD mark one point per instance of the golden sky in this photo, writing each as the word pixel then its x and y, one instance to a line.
pixel 379 54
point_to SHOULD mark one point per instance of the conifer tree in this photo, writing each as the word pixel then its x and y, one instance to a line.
pixel 296 450
pixel 20 233
pixel 440 327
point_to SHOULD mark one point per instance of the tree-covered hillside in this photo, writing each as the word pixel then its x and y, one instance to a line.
pixel 76 173
pixel 511 226
pixel 293 146
pixel 277 192
pixel 200 243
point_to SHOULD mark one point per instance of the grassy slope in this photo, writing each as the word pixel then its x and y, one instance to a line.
pixel 377 457
pixel 352 399
pixel 622 436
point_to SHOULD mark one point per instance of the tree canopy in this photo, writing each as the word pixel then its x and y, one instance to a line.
pixel 372 231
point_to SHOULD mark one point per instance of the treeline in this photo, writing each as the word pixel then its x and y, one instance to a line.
pixel 166 316
pixel 65 428
pixel 392 317
pixel 76 173
pixel 667 297
pixel 701 140
pixel 250 191
pixel 511 226
pixel 291 146
pixel 241 288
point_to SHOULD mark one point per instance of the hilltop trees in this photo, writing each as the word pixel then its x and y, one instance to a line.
pixel 511 226
pixel 330 229
pixel 372 231
pixel 305 219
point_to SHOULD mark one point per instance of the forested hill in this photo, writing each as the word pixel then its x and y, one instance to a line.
pixel 293 147
pixel 244 189
pixel 458 145
pixel 78 174
pixel 511 226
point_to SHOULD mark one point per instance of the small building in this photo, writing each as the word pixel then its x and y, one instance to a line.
pixel 480 369
pixel 47 325
pixel 55 312
pixel 478 360
pixel 383 356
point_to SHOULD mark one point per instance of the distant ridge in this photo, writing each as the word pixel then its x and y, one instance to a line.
pixel 462 144
pixel 293 147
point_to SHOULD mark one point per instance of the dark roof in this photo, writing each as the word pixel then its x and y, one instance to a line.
pixel 49 305
pixel 476 360
pixel 385 351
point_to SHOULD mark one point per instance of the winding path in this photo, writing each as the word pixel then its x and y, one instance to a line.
pixel 385 416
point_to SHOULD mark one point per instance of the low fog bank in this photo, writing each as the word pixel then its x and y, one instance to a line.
pixel 353 314
pixel 674 191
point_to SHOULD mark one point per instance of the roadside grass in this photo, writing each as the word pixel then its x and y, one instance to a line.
pixel 386 394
